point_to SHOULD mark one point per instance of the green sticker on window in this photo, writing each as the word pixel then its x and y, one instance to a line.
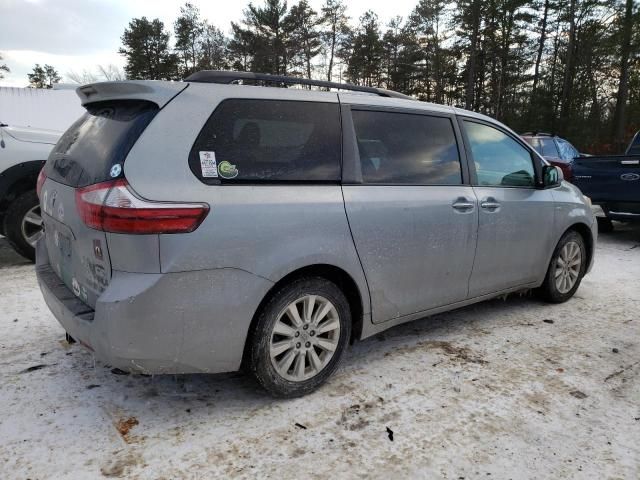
pixel 227 170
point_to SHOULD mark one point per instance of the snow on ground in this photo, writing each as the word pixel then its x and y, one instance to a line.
pixel 502 389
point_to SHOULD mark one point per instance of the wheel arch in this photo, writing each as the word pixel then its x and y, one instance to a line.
pixel 334 274
pixel 16 180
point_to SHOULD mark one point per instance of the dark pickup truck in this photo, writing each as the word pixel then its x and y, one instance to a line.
pixel 613 183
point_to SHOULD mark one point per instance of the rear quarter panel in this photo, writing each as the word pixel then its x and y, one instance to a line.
pixel 267 230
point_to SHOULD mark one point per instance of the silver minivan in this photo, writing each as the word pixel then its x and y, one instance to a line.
pixel 217 223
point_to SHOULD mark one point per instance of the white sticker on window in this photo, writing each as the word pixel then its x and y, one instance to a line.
pixel 208 164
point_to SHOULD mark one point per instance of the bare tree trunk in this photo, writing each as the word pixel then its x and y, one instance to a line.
pixel 473 53
pixel 623 86
pixel 568 68
pixel 552 83
pixel 543 38
pixel 437 60
pixel 333 48
pixel 308 61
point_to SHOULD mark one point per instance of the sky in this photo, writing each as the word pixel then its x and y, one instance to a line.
pixel 78 35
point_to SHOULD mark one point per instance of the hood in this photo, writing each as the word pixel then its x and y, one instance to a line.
pixel 33 135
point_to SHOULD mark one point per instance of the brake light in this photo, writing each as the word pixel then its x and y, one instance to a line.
pixel 113 207
pixel 41 178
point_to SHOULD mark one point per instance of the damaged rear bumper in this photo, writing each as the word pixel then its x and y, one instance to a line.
pixel 185 322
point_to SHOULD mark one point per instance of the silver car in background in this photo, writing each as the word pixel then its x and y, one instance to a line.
pixel 205 226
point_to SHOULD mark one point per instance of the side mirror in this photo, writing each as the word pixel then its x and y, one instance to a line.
pixel 552 176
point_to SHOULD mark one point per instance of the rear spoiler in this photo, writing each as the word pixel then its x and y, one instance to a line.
pixel 158 92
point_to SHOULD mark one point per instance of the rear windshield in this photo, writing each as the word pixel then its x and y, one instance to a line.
pixel 94 148
pixel 249 140
pixel 634 148
pixel 544 146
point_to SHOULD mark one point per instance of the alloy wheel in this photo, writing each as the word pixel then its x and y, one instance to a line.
pixel 304 338
pixel 568 266
pixel 31 226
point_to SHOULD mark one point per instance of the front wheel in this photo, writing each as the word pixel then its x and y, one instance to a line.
pixel 299 337
pixel 23 224
pixel 567 267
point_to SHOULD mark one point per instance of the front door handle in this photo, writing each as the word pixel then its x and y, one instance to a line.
pixel 490 204
pixel 463 205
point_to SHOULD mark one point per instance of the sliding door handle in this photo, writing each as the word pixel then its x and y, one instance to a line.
pixel 490 204
pixel 462 204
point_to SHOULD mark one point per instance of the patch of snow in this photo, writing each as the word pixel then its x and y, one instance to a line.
pixel 489 389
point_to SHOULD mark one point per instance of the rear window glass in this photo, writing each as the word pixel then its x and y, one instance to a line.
pixel 534 143
pixel 402 148
pixel 98 141
pixel 548 147
pixel 269 140
pixel 634 148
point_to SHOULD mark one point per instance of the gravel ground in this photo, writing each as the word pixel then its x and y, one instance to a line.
pixel 503 389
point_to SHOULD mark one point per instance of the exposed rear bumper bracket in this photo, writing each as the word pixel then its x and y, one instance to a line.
pixel 59 290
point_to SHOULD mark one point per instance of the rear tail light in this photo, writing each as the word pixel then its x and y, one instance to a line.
pixel 41 178
pixel 113 207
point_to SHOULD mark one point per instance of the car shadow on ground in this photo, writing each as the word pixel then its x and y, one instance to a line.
pixel 627 234
pixel 9 257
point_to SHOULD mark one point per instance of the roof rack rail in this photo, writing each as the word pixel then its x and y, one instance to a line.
pixel 223 76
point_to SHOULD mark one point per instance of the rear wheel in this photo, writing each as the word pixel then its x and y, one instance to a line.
pixel 566 269
pixel 23 224
pixel 299 337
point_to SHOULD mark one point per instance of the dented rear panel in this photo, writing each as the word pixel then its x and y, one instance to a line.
pixel 79 255
pixel 93 150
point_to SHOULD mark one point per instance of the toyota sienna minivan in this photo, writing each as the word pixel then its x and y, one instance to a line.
pixel 220 223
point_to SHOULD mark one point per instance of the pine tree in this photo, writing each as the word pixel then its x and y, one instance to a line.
pixel 3 68
pixel 43 77
pixel 262 40
pixel 428 21
pixel 213 48
pixel 305 44
pixel 626 30
pixel 241 47
pixel 189 29
pixel 364 65
pixel 146 50
pixel 336 31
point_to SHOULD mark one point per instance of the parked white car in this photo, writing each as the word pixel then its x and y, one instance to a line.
pixel 23 151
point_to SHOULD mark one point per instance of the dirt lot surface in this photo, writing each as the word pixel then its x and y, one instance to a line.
pixel 503 389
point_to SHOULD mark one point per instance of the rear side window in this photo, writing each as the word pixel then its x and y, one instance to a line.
pixel 92 148
pixel 404 148
pixel 247 140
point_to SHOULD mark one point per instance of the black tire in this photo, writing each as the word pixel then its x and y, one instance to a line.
pixel 259 359
pixel 605 225
pixel 13 223
pixel 549 290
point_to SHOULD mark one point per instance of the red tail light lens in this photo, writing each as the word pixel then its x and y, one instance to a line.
pixel 113 207
pixel 41 178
